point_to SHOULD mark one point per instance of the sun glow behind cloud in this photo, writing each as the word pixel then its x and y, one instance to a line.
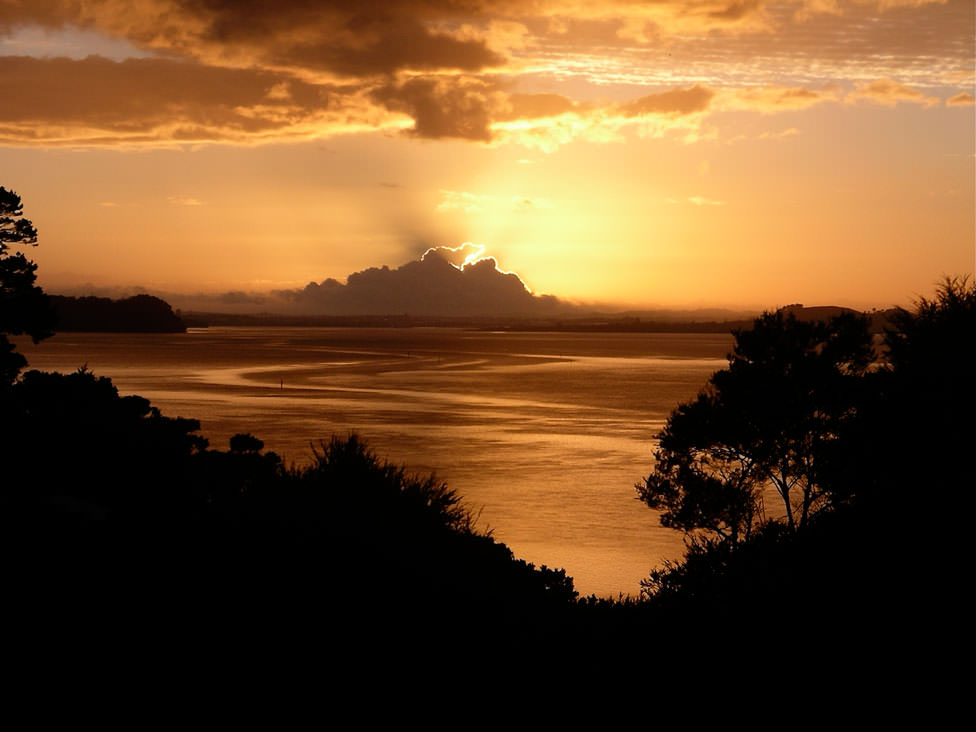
pixel 466 255
pixel 808 142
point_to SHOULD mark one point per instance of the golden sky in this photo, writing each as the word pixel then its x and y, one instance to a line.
pixel 742 153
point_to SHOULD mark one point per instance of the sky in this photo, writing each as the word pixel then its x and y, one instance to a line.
pixel 688 153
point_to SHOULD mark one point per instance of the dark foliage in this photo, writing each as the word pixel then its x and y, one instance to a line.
pixel 915 421
pixel 106 498
pixel 761 429
pixel 887 448
pixel 137 314
pixel 24 308
pixel 72 437
pixel 930 393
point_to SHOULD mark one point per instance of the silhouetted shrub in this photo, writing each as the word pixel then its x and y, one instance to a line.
pixel 102 494
pixel 246 443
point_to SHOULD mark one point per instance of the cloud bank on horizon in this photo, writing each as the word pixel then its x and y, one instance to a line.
pixel 443 282
pixel 277 70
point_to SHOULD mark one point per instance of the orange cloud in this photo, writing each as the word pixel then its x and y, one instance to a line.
pixel 272 70
pixel 674 103
pixel 345 39
pixel 152 101
pixel 962 99
pixel 770 99
pixel 443 107
pixel 534 106
pixel 889 93
pixel 158 101
pixel 550 121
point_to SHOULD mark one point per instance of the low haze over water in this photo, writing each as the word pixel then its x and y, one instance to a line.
pixel 544 433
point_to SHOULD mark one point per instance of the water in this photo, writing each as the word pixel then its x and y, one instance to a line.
pixel 544 433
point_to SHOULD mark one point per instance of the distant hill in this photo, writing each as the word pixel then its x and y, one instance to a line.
pixel 880 319
pixel 821 312
pixel 138 314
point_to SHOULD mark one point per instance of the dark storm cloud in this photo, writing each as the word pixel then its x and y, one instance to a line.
pixel 137 88
pixel 443 107
pixel 161 99
pixel 432 286
pixel 347 38
pixel 736 10
pixel 467 108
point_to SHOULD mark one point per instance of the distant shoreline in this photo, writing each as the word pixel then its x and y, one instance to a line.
pixel 146 314
pixel 515 324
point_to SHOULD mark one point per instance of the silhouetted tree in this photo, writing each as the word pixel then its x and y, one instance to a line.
pixel 760 429
pixel 888 450
pixel 246 443
pixel 929 396
pixel 938 339
pixel 24 307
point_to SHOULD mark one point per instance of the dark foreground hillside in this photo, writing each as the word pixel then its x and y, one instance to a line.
pixel 125 521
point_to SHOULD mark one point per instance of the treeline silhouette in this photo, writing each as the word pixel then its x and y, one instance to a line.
pixel 136 314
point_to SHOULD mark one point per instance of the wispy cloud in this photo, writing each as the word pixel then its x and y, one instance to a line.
pixel 962 99
pixel 889 93
pixel 462 201
pixel 697 201
pixel 789 132
pixel 479 203
pixel 184 201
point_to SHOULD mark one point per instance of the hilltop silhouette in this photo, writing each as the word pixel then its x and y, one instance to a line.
pixel 136 314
